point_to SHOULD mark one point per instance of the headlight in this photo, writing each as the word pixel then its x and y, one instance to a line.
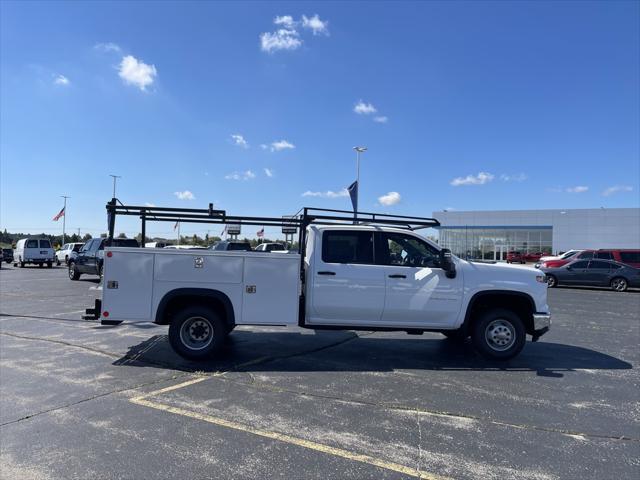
pixel 541 278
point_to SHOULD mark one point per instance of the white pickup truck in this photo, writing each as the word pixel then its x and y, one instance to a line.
pixel 354 277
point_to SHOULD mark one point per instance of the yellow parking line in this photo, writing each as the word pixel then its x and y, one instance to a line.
pixel 300 442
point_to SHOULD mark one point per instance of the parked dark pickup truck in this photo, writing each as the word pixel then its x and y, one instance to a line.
pixel 91 257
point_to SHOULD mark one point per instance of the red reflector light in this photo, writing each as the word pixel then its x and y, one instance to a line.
pixel 109 254
pixel 105 314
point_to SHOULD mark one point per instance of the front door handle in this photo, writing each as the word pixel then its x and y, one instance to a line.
pixel 397 275
pixel 326 273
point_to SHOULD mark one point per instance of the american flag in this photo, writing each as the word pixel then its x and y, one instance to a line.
pixel 260 233
pixel 60 214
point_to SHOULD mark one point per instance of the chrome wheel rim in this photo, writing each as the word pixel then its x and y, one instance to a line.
pixel 500 335
pixel 196 333
pixel 72 269
pixel 619 284
pixel 551 281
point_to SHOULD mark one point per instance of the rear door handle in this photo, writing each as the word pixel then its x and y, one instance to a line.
pixel 397 275
pixel 326 273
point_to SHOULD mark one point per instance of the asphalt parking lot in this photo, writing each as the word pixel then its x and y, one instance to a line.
pixel 81 400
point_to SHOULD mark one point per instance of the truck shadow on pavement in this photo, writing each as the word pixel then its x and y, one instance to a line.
pixel 248 351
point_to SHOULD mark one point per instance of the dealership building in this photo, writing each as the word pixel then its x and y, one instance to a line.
pixel 490 235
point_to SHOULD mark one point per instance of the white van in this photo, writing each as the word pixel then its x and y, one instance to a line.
pixel 37 251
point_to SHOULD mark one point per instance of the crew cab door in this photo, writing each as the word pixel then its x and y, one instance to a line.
pixel 418 292
pixel 347 287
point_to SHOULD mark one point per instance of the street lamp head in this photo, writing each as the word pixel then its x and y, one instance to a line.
pixel 360 149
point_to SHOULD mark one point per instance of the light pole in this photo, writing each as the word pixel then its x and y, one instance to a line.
pixel 64 217
pixel 115 177
pixel 358 150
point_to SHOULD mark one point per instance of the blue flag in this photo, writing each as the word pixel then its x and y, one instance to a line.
pixel 353 193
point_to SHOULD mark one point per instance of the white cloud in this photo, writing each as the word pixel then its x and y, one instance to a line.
pixel 518 177
pixel 61 80
pixel 381 119
pixel 282 145
pixel 327 194
pixel 616 189
pixel 107 47
pixel 577 189
pixel 239 140
pixel 362 108
pixel 147 204
pixel 137 73
pixel 268 172
pixel 282 39
pixel 285 20
pixel 186 195
pixel 246 175
pixel 264 146
pixel 391 198
pixel 479 179
pixel 316 25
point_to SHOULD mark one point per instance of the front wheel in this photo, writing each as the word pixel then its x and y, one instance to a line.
pixel 619 284
pixel 498 334
pixel 552 281
pixel 73 271
pixel 197 333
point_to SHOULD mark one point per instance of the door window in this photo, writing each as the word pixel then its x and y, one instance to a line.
pixel 32 244
pixel 630 257
pixel 407 251
pixel 585 255
pixel 347 247
pixel 579 265
pixel 599 265
pixel 604 255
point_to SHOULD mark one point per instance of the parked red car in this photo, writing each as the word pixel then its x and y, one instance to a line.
pixel 628 257
pixel 515 257
pixel 533 257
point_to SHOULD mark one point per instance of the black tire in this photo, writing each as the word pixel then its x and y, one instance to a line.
pixel 619 284
pixel 21 264
pixel 552 281
pixel 49 264
pixel 100 270
pixel 73 271
pixel 197 333
pixel 498 334
pixel 455 335
pixel 57 262
pixel 40 265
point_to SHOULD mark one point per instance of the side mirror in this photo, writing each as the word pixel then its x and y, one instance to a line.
pixel 447 264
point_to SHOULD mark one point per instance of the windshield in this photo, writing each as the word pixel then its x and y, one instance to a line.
pixel 570 253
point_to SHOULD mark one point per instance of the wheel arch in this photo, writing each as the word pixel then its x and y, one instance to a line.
pixel 181 297
pixel 519 302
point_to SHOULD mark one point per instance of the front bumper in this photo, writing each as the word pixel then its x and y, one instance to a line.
pixel 541 325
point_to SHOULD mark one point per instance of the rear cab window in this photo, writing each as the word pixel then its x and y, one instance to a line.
pixel 45 244
pixel 347 247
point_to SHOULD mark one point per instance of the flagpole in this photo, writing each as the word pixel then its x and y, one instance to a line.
pixel 178 233
pixel 358 150
pixel 64 217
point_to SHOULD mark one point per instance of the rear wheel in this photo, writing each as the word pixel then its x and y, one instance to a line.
pixel 49 264
pixel 197 333
pixel 73 271
pixel 498 334
pixel 552 281
pixel 40 265
pixel 57 262
pixel 100 271
pixel 619 284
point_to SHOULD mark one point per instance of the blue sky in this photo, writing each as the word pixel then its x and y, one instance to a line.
pixel 467 105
